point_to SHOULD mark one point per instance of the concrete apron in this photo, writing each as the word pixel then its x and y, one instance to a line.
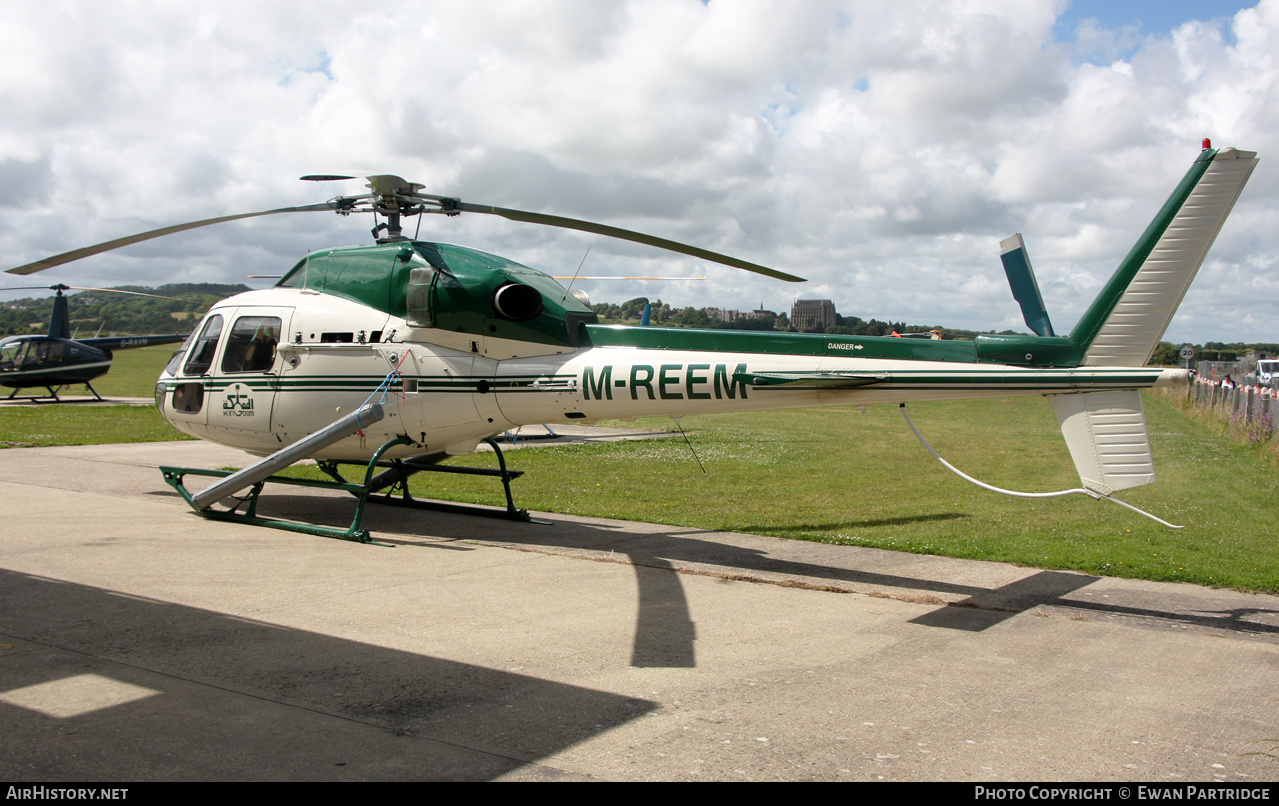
pixel 141 642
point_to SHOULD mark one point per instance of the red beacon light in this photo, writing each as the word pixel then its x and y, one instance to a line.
pixel 1207 144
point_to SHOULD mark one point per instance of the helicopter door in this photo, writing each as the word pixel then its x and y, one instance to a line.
pixel 244 391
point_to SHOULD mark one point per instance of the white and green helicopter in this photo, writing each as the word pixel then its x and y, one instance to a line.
pixel 403 353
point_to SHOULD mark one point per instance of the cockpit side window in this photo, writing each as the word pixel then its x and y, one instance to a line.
pixel 176 361
pixel 37 355
pixel 205 346
pixel 251 345
pixel 11 353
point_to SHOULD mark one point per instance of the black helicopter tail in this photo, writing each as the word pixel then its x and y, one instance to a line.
pixel 60 322
pixel 129 342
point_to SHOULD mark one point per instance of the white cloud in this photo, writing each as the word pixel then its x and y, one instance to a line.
pixel 880 150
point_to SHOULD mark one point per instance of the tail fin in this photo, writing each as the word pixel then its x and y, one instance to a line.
pixel 1126 321
pixel 60 321
pixel 1106 431
pixel 1107 437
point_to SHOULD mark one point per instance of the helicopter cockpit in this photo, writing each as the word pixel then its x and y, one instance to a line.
pixel 24 353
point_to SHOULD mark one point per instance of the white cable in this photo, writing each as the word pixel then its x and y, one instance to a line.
pixel 1143 512
pixel 1014 493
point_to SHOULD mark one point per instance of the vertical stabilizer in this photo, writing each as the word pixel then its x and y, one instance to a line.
pixel 1107 437
pixel 1125 323
pixel 60 322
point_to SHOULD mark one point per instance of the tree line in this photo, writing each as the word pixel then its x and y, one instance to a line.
pixel 1169 355
pixel 630 312
pixel 121 314
pixel 663 315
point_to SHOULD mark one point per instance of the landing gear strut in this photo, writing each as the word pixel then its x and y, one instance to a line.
pixel 393 478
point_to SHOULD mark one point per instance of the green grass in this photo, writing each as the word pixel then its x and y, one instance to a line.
pixel 846 477
pixel 50 424
pixel 837 475
pixel 133 372
pixel 1258 435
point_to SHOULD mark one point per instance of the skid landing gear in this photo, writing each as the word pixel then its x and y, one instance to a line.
pixel 393 479
pixel 52 397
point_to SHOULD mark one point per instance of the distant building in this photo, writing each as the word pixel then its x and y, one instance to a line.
pixel 722 315
pixel 812 315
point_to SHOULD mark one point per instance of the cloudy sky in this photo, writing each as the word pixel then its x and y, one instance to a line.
pixel 881 150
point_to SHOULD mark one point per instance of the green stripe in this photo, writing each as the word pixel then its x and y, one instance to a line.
pixel 752 341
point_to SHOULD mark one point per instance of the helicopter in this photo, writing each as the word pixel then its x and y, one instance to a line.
pixel 56 360
pixel 461 345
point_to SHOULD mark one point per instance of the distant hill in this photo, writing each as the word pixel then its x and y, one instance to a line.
pixel 120 314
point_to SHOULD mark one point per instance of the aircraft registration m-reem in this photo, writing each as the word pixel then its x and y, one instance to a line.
pixel 469 345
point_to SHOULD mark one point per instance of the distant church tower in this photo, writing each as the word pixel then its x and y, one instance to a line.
pixel 812 315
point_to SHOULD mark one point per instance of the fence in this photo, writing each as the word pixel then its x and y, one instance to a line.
pixel 1216 370
pixel 1251 408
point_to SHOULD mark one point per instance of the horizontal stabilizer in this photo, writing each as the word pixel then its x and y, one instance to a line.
pixel 1021 278
pixel 1107 437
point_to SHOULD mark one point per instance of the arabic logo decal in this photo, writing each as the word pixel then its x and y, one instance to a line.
pixel 237 403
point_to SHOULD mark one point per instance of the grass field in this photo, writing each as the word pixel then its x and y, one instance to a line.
pixel 842 476
pixel 133 374
pixel 48 425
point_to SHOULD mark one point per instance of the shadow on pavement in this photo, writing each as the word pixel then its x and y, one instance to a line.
pixel 228 698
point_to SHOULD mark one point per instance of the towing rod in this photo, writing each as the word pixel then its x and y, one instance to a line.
pixel 304 448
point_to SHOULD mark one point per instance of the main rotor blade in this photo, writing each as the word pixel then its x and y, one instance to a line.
pixel 135 293
pixel 625 235
pixel 61 287
pixel 77 254
pixel 616 277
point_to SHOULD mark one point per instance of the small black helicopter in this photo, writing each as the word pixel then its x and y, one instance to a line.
pixel 56 360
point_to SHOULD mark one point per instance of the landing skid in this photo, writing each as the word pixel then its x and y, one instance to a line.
pixel 52 397
pixel 515 436
pixel 393 479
